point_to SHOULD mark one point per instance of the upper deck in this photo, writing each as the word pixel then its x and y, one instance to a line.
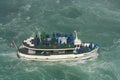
pixel 56 41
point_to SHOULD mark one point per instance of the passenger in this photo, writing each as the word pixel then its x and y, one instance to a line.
pixel 88 49
pixel 82 48
pixel 43 35
pixel 53 40
pixel 95 46
pixel 79 50
pixel 53 35
pixel 47 36
pixel 38 41
pixel 90 46
pixel 35 40
pixel 46 42
pixel 59 41
pixel 50 43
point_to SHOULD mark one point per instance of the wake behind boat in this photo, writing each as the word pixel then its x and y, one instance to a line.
pixel 58 47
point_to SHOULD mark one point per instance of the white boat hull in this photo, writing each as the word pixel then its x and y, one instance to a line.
pixel 63 57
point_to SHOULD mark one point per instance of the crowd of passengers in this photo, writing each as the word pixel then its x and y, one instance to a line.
pixel 58 39
pixel 82 48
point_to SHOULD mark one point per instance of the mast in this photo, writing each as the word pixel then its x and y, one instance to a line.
pixel 77 41
pixel 76 36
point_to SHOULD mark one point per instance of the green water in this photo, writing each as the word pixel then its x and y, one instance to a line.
pixel 95 20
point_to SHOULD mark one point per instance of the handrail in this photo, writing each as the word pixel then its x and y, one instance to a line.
pixel 49 49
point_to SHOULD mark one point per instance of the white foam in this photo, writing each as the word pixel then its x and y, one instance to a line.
pixel 26 7
pixel 28 18
pixel 57 1
pixel 31 69
pixel 1 24
pixel 1 38
pixel 10 55
pixel 116 44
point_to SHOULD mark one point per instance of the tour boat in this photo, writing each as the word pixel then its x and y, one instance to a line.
pixel 58 47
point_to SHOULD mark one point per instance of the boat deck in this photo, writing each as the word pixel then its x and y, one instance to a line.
pixel 49 47
pixel 37 51
pixel 42 52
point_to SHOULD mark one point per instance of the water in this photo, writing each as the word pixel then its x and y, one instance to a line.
pixel 95 20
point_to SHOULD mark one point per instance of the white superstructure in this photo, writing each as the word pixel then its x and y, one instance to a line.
pixel 77 42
